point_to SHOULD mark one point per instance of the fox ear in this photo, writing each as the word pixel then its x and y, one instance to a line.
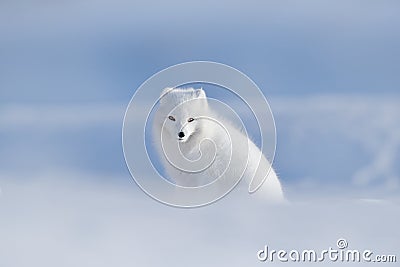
pixel 200 93
pixel 166 90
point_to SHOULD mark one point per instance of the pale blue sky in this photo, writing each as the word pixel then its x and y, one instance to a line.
pixel 97 51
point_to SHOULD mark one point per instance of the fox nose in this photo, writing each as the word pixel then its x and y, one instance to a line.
pixel 181 134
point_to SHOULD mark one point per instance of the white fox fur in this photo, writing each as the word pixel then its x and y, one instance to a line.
pixel 196 146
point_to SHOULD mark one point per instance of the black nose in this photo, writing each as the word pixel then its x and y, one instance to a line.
pixel 181 134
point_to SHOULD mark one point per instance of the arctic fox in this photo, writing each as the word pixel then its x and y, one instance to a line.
pixel 197 147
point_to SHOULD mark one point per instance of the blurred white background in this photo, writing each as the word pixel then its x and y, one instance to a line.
pixel 69 68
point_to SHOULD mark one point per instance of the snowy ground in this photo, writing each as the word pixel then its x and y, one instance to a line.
pixel 54 222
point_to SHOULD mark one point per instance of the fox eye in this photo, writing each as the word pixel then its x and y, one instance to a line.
pixel 190 120
pixel 171 118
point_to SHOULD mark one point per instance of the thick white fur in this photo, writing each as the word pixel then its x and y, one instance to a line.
pixel 183 104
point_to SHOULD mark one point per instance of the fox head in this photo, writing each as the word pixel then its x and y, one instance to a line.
pixel 180 112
